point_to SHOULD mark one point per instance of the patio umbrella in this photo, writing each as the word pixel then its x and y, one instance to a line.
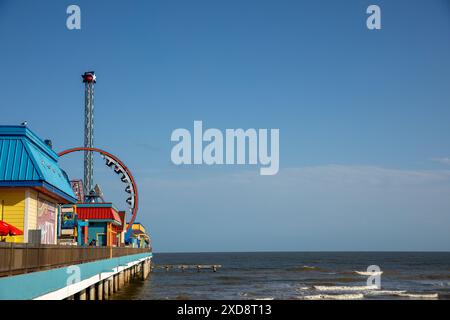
pixel 7 229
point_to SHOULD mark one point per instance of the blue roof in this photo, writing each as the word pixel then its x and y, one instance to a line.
pixel 25 160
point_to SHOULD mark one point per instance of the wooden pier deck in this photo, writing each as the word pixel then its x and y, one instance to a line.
pixel 184 267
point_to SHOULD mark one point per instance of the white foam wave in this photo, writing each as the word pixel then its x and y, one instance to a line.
pixel 419 295
pixel 345 288
pixel 303 288
pixel 385 292
pixel 403 293
pixel 356 296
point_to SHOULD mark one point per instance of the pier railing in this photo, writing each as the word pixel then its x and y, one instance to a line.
pixel 18 258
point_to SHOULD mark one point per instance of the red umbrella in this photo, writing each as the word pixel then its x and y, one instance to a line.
pixel 7 229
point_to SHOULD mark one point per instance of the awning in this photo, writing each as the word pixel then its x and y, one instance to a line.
pixel 7 229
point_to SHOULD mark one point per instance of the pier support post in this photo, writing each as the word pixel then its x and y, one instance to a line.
pixel 145 266
pixel 106 289
pixel 115 283
pixel 92 292
pixel 111 286
pixel 99 290
pixel 121 279
pixel 150 265
pixel 82 295
pixel 141 267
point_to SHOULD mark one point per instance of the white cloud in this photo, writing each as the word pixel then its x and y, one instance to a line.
pixel 340 207
pixel 311 175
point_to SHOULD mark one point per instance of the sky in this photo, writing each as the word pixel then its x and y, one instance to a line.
pixel 363 114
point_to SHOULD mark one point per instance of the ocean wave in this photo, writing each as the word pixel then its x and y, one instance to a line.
pixel 302 288
pixel 347 279
pixel 356 296
pixel 345 288
pixel 251 296
pixel 443 284
pixel 229 279
pixel 427 277
pixel 307 269
pixel 419 295
pixel 385 292
pixel 365 273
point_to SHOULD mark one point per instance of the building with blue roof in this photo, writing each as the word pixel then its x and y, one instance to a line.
pixel 32 185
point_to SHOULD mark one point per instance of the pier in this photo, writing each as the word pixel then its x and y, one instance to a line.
pixel 59 240
pixel 184 267
pixel 52 272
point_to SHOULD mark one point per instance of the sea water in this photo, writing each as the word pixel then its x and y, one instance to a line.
pixel 297 275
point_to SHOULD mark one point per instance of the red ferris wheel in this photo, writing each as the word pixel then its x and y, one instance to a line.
pixel 119 168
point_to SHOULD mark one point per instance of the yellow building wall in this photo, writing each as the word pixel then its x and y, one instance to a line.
pixel 12 204
pixel 21 210
pixel 138 227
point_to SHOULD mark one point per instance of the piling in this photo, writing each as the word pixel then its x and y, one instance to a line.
pixel 82 295
pixel 121 279
pixel 185 267
pixel 116 283
pixel 106 289
pixel 145 266
pixel 111 287
pixel 99 290
pixel 92 292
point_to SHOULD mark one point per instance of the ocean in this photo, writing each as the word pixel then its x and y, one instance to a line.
pixel 296 275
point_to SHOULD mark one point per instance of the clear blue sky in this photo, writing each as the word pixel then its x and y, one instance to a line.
pixel 363 115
